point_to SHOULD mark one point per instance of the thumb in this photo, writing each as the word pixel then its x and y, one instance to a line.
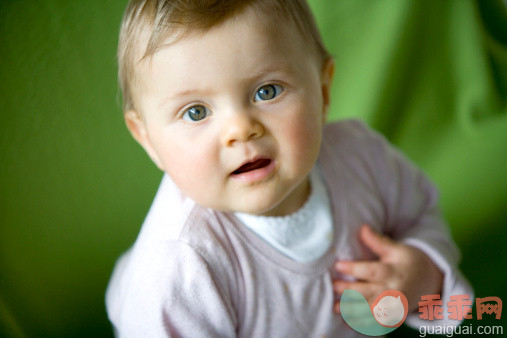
pixel 380 245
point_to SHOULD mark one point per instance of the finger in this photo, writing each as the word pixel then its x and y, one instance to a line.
pixel 373 271
pixel 381 245
pixel 336 308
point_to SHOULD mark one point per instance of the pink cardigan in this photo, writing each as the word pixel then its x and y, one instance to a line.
pixel 197 272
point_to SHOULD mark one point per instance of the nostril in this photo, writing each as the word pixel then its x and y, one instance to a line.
pixel 246 131
pixel 257 131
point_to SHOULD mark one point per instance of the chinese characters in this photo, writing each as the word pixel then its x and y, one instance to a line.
pixel 459 307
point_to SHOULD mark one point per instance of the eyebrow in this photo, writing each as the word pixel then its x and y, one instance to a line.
pixel 167 101
pixel 188 92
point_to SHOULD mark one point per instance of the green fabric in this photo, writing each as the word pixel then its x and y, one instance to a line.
pixel 74 186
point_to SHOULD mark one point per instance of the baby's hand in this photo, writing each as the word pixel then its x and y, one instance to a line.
pixel 399 267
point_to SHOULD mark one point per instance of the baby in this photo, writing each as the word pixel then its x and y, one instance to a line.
pixel 265 214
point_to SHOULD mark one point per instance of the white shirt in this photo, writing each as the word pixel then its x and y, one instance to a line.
pixel 303 236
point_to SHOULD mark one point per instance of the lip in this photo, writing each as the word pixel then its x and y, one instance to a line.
pixel 255 174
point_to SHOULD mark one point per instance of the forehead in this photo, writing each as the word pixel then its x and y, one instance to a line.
pixel 247 36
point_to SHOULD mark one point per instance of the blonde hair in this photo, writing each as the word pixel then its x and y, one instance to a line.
pixel 146 23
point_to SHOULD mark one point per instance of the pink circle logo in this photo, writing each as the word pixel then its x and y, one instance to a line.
pixel 390 308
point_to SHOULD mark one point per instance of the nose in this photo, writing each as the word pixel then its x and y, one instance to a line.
pixel 240 127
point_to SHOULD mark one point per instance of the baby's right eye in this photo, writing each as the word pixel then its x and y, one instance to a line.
pixel 196 113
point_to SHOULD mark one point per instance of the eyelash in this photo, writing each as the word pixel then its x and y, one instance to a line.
pixel 276 90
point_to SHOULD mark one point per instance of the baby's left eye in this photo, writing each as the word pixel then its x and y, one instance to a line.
pixel 268 92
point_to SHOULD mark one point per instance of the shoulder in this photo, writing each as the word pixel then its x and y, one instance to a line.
pixel 163 288
pixel 351 133
pixel 158 281
pixel 162 256
pixel 180 251
pixel 352 143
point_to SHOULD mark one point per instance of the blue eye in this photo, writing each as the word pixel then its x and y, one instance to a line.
pixel 196 113
pixel 267 92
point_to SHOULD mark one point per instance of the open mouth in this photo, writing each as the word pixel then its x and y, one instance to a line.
pixel 254 165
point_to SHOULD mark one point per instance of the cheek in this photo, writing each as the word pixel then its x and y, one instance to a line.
pixel 304 133
pixel 190 166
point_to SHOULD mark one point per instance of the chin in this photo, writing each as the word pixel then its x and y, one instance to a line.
pixel 259 208
pixel 259 211
pixel 246 207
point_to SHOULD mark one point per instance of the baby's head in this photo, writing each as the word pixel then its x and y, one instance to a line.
pixel 228 97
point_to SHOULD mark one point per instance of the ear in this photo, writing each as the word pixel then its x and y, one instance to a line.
pixel 137 128
pixel 326 81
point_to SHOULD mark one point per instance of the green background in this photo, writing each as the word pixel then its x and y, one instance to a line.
pixel 74 186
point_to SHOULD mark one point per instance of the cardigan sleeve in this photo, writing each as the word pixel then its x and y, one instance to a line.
pixel 412 216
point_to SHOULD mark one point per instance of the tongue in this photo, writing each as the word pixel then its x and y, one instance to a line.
pixel 252 166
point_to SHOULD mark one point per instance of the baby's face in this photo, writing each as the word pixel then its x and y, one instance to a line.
pixel 235 115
